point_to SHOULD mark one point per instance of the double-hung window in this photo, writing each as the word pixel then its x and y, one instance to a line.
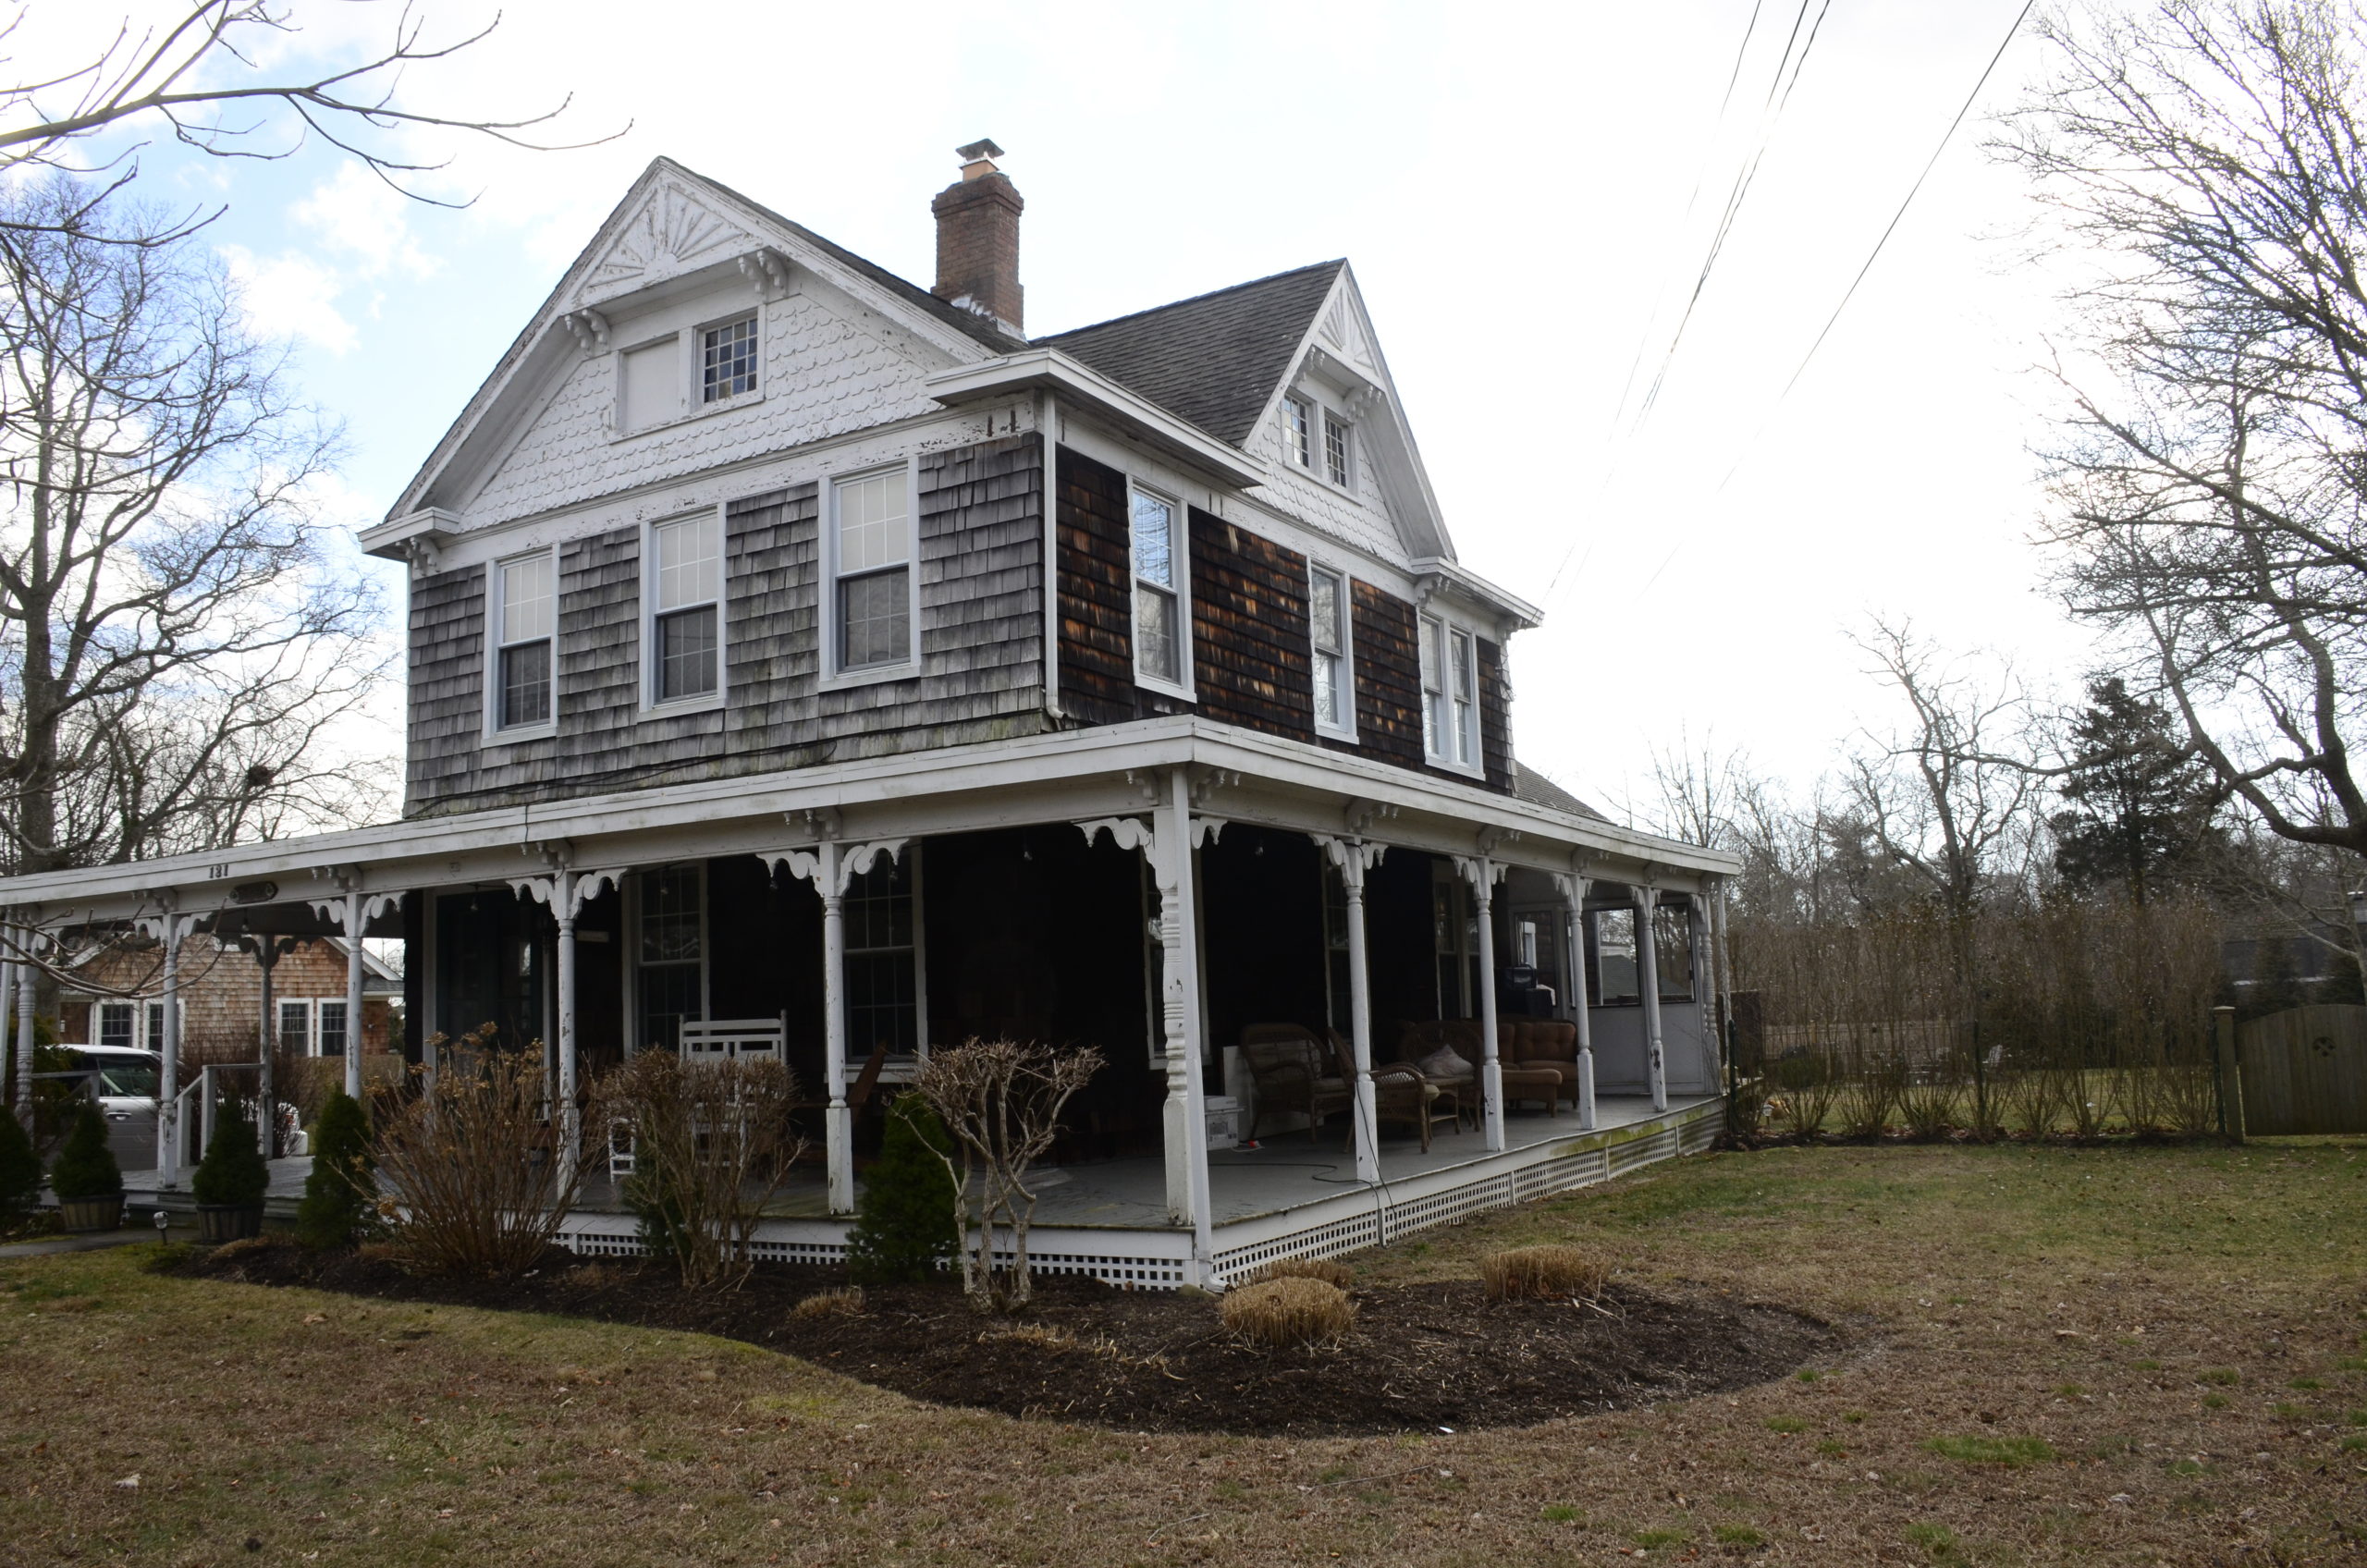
pixel 1160 642
pixel 727 360
pixel 1335 449
pixel 670 968
pixel 1298 430
pixel 1328 630
pixel 872 590
pixel 115 1025
pixel 296 1026
pixel 686 608
pixel 1450 695
pixel 526 620
pixel 331 1036
pixel 883 973
pixel 156 1026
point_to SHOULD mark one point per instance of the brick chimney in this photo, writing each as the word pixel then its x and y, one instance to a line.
pixel 978 238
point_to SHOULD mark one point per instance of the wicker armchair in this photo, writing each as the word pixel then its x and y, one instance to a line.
pixel 1294 1073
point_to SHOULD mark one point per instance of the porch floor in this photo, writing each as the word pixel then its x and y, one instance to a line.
pixel 1286 1171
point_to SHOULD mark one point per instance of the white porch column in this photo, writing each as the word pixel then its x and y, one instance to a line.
pixel 837 1122
pixel 1647 983
pixel 267 1102
pixel 20 1083
pixel 355 918
pixel 1724 959
pixel 168 1077
pixel 1186 1120
pixel 1574 891
pixel 1481 871
pixel 564 888
pixel 1354 857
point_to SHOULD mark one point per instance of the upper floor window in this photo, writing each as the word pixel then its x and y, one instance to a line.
pixel 1328 630
pixel 872 570
pixel 525 617
pixel 650 390
pixel 728 360
pixel 1298 430
pixel 686 608
pixel 1450 695
pixel 1160 642
pixel 1335 448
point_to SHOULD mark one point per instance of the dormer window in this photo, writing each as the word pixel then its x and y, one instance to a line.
pixel 686 608
pixel 1162 642
pixel 525 618
pixel 1298 430
pixel 1335 448
pixel 1450 696
pixel 727 360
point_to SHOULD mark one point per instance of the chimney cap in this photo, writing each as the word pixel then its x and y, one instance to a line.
pixel 978 158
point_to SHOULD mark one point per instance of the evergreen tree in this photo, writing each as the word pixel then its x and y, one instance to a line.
pixel 337 1194
pixel 2139 803
pixel 20 1171
pixel 86 1166
pixel 233 1172
pixel 904 1227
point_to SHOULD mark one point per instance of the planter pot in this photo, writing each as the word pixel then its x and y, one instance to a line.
pixel 229 1221
pixel 102 1213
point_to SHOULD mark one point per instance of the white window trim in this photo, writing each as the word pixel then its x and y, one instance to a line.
pixel 1477 766
pixel 1313 408
pixel 1328 418
pixel 630 914
pixel 646 637
pixel 494 735
pixel 834 676
pixel 686 353
pixel 1179 555
pixel 318 1004
pixel 1348 730
pixel 279 1027
pixel 98 1021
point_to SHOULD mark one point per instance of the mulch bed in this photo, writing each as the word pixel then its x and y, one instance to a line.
pixel 1421 1357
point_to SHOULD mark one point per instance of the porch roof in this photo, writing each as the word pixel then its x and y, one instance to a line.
pixel 1070 775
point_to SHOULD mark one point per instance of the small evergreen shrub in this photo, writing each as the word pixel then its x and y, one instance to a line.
pixel 19 1171
pixel 233 1172
pixel 1283 1313
pixel 1546 1273
pixel 1337 1275
pixel 86 1166
pixel 339 1195
pixel 903 1228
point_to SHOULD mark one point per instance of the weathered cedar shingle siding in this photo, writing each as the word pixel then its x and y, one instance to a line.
pixel 1495 716
pixel 1385 638
pixel 1252 662
pixel 980 511
pixel 1096 589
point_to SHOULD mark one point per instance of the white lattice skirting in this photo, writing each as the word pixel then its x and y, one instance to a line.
pixel 1374 1216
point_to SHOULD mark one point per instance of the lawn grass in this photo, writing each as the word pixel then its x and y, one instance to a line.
pixel 2048 1314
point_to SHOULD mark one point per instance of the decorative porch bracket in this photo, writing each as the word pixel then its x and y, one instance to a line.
pixel 1354 857
pixel 832 867
pixel 1482 871
pixel 1573 887
pixel 1647 985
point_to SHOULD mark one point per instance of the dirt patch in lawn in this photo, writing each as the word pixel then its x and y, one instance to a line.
pixel 1421 1356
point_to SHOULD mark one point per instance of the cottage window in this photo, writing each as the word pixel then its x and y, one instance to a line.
pixel 651 392
pixel 115 1024
pixel 1160 642
pixel 525 619
pixel 1672 948
pixel 295 1026
pixel 1328 630
pixel 882 962
pixel 1298 432
pixel 873 591
pixel 686 608
pixel 331 1027
pixel 727 360
pixel 1335 448
pixel 1450 695
pixel 670 979
pixel 1615 971
pixel 156 1026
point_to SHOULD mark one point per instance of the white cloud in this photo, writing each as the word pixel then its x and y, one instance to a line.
pixel 357 215
pixel 290 295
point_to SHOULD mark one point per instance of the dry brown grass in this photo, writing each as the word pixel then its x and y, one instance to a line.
pixel 845 1302
pixel 1338 1275
pixel 1293 1310
pixel 1552 1272
pixel 2005 1297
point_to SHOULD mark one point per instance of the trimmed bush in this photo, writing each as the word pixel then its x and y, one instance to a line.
pixel 1337 1275
pixel 86 1166
pixel 903 1228
pixel 233 1172
pixel 1283 1313
pixel 20 1171
pixel 1546 1273
pixel 341 1193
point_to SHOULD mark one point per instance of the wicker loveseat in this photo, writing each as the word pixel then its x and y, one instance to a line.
pixel 1294 1073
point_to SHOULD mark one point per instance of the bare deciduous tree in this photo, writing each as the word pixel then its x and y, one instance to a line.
pixel 175 636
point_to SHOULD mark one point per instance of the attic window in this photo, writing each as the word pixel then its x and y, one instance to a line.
pixel 727 360
pixel 1298 432
pixel 1335 448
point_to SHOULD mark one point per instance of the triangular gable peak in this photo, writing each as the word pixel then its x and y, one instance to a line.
pixel 674 230
pixel 1341 353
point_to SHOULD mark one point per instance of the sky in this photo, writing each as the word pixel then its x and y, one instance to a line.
pixel 1526 194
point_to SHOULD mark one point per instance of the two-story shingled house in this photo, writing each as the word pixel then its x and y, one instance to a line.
pixel 798 648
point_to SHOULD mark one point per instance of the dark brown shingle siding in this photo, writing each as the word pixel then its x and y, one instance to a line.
pixel 1252 662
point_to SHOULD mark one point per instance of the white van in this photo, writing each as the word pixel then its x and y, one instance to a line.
pixel 127 1078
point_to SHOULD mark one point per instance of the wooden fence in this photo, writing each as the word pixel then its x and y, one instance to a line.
pixel 2304 1070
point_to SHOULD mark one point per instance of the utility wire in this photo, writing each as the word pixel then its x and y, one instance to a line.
pixel 1874 255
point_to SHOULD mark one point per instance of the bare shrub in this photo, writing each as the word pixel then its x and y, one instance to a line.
pixel 1283 1313
pixel 1335 1274
pixel 1929 1106
pixel 712 1143
pixel 1544 1273
pixel 1806 1089
pixel 2035 1100
pixel 844 1302
pixel 469 1181
pixel 1871 1090
pixel 1001 1102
